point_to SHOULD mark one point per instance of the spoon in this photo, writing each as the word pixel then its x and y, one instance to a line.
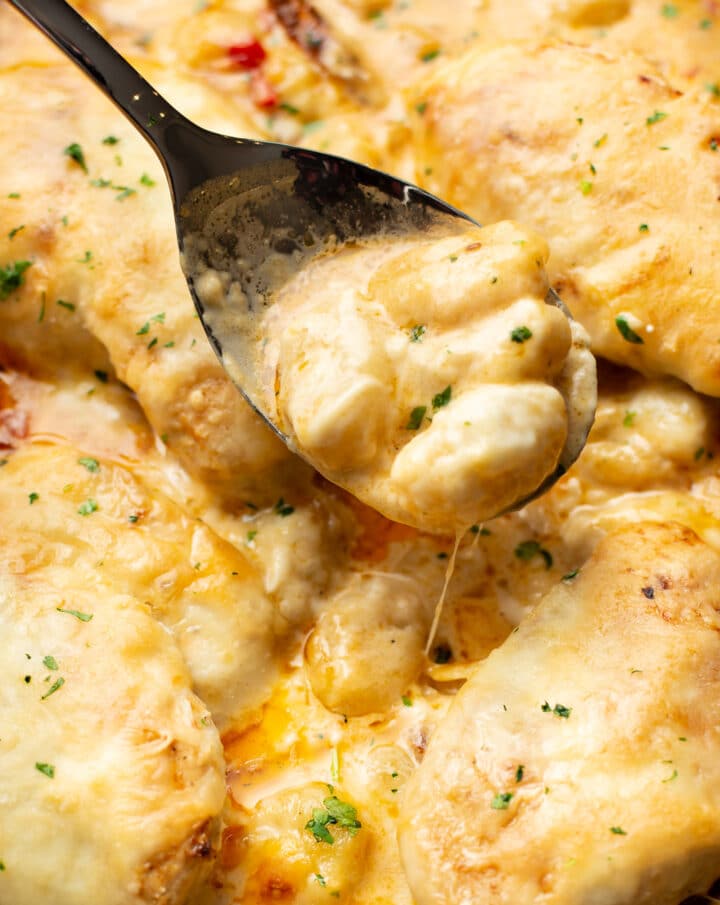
pixel 263 208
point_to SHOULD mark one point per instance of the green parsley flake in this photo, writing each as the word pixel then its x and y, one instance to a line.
pixel 657 116
pixel 440 400
pixel 599 142
pixel 407 701
pixel 58 683
pixel 559 710
pixel 2 866
pixel 519 773
pixel 714 89
pixel 63 304
pixel 671 777
pixel 335 813
pixel 521 334
pixel 11 277
pixel 251 535
pixel 92 465
pixel 501 801
pixel 417 333
pixel 528 549
pixel 430 55
pixel 618 831
pixel 75 152
pixel 146 180
pixel 282 508
pixel 320 879
pixel 421 107
pixel 416 417
pixel 33 497
pixel 586 187
pixel 83 617
pixel 629 419
pixel 110 140
pixel 627 332
pixel 14 232
pixel 88 507
pixel 50 662
pixel 570 575
pixel 644 228
pixel 46 769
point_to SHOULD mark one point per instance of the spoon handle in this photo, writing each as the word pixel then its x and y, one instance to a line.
pixel 123 84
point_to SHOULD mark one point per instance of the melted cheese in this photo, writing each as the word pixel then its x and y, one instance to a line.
pixel 311 657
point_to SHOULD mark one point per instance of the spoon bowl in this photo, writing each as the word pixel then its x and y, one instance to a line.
pixel 257 211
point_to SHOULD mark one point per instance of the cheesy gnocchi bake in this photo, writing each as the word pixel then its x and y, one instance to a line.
pixel 225 677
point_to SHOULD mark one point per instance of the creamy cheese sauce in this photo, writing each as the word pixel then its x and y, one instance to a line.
pixel 426 375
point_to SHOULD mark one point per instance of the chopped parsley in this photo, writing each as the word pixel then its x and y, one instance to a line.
pixel 33 497
pixel 599 142
pixel 86 258
pixel 430 55
pixel 11 277
pixel 251 535
pixel 133 518
pixel 417 333
pixel 83 617
pixel 283 509
pixel 644 228
pixel 519 773
pixel 440 400
pixel 699 453
pixel 670 778
pixel 88 507
pixel 618 831
pixel 586 187
pixel 570 575
pixel 320 879
pixel 416 417
pixel 50 662
pixel 46 769
pixel 669 11
pixel 147 181
pixel 407 701
pixel 110 140
pixel 521 334
pixel 63 304
pixel 14 232
pixel 334 813
pixel 528 549
pixel 714 88
pixel 627 332
pixel 501 801
pixel 629 419
pixel 421 107
pixel 559 710
pixel 58 683
pixel 657 116
pixel 75 152
pixel 92 465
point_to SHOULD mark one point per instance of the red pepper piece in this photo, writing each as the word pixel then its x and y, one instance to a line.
pixel 248 55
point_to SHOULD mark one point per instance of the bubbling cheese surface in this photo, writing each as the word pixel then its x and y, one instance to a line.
pixel 426 375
